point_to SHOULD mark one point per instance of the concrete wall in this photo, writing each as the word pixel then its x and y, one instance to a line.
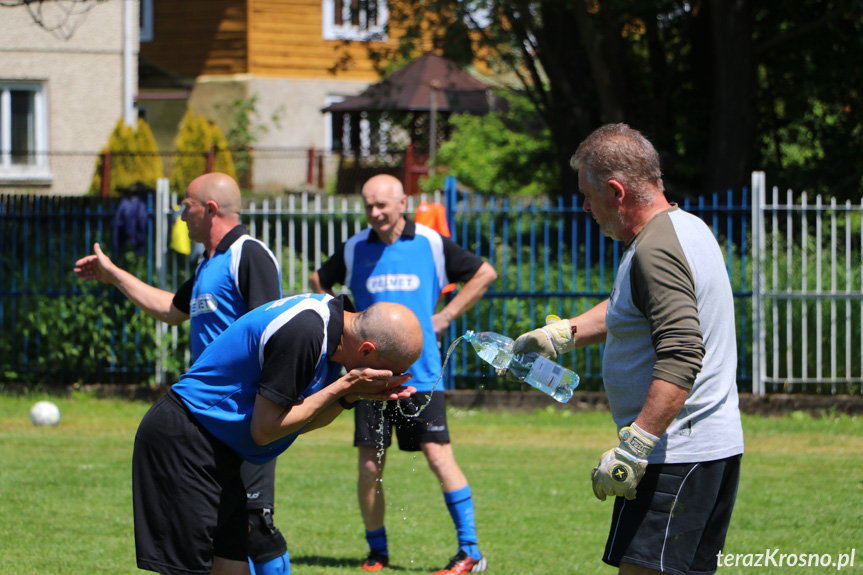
pixel 300 101
pixel 83 78
pixel 301 125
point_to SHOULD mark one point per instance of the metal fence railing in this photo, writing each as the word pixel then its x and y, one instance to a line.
pixel 549 255
pixel 808 301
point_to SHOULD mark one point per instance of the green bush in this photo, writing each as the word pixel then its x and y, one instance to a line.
pixel 503 153
pixel 194 141
pixel 134 158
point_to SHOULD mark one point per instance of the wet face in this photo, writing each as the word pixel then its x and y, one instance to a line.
pixel 603 205
pixel 384 207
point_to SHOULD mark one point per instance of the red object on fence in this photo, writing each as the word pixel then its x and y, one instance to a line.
pixel 106 174
pixel 310 173
pixel 415 166
pixel 434 216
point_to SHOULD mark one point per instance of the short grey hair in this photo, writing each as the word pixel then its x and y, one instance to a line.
pixel 616 151
pixel 394 342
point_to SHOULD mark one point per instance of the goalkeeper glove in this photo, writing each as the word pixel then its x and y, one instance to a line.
pixel 621 468
pixel 549 341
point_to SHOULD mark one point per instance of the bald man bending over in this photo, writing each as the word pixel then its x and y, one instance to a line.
pixel 273 374
pixel 237 274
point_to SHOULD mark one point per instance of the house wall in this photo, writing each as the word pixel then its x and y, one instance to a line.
pixel 274 49
pixel 83 78
pixel 286 40
pixel 194 38
pixel 301 126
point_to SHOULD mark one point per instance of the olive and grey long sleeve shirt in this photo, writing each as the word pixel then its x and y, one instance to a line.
pixel 671 316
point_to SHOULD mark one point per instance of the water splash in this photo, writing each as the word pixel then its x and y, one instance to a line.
pixel 443 368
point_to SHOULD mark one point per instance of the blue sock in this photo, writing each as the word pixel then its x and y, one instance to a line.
pixel 460 505
pixel 378 541
pixel 278 566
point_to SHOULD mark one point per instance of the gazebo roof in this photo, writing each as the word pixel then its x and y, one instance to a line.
pixel 409 90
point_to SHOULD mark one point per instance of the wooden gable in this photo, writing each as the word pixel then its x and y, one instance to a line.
pixel 275 38
pixel 194 38
pixel 286 40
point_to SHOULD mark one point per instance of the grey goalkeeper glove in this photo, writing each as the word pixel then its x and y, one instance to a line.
pixel 621 468
pixel 549 341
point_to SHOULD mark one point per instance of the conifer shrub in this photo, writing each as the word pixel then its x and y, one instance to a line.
pixel 194 140
pixel 134 158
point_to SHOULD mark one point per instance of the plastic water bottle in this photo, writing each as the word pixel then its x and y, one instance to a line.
pixel 532 368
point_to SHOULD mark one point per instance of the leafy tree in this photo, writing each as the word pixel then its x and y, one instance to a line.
pixel 502 152
pixel 720 87
pixel 244 133
pixel 196 139
pixel 134 158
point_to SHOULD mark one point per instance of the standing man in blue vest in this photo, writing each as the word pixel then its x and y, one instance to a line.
pixel 396 260
pixel 273 374
pixel 237 274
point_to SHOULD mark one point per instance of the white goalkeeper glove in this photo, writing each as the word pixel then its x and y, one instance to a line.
pixel 549 341
pixel 621 468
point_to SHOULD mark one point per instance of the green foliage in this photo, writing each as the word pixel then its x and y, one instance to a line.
pixel 808 329
pixel 721 89
pixel 134 158
pixel 74 482
pixel 68 331
pixel 506 153
pixel 244 133
pixel 195 139
pixel 78 336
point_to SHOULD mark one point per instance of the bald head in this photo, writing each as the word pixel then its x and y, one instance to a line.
pixel 211 209
pixel 384 184
pixel 220 188
pixel 395 331
pixel 385 203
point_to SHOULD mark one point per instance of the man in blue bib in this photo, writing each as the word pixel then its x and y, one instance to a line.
pixel 237 274
pixel 271 375
pixel 397 260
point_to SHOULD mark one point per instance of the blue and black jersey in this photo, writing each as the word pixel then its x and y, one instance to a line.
pixel 280 351
pixel 412 271
pixel 241 275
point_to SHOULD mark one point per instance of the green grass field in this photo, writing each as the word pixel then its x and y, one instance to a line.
pixel 65 493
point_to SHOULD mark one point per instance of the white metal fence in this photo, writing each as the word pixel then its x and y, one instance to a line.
pixel 300 229
pixel 806 259
pixel 807 303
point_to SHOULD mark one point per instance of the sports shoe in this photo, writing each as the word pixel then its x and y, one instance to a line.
pixel 375 561
pixel 463 563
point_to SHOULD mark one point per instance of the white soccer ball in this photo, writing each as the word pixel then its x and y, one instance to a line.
pixel 44 413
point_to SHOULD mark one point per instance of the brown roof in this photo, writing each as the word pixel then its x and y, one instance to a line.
pixel 409 90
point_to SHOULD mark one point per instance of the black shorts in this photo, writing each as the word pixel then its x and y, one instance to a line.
pixel 188 496
pixel 678 520
pixel 266 542
pixel 428 427
pixel 260 482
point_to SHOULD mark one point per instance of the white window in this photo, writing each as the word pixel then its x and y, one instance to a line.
pixel 361 20
pixel 23 132
pixel 146 20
